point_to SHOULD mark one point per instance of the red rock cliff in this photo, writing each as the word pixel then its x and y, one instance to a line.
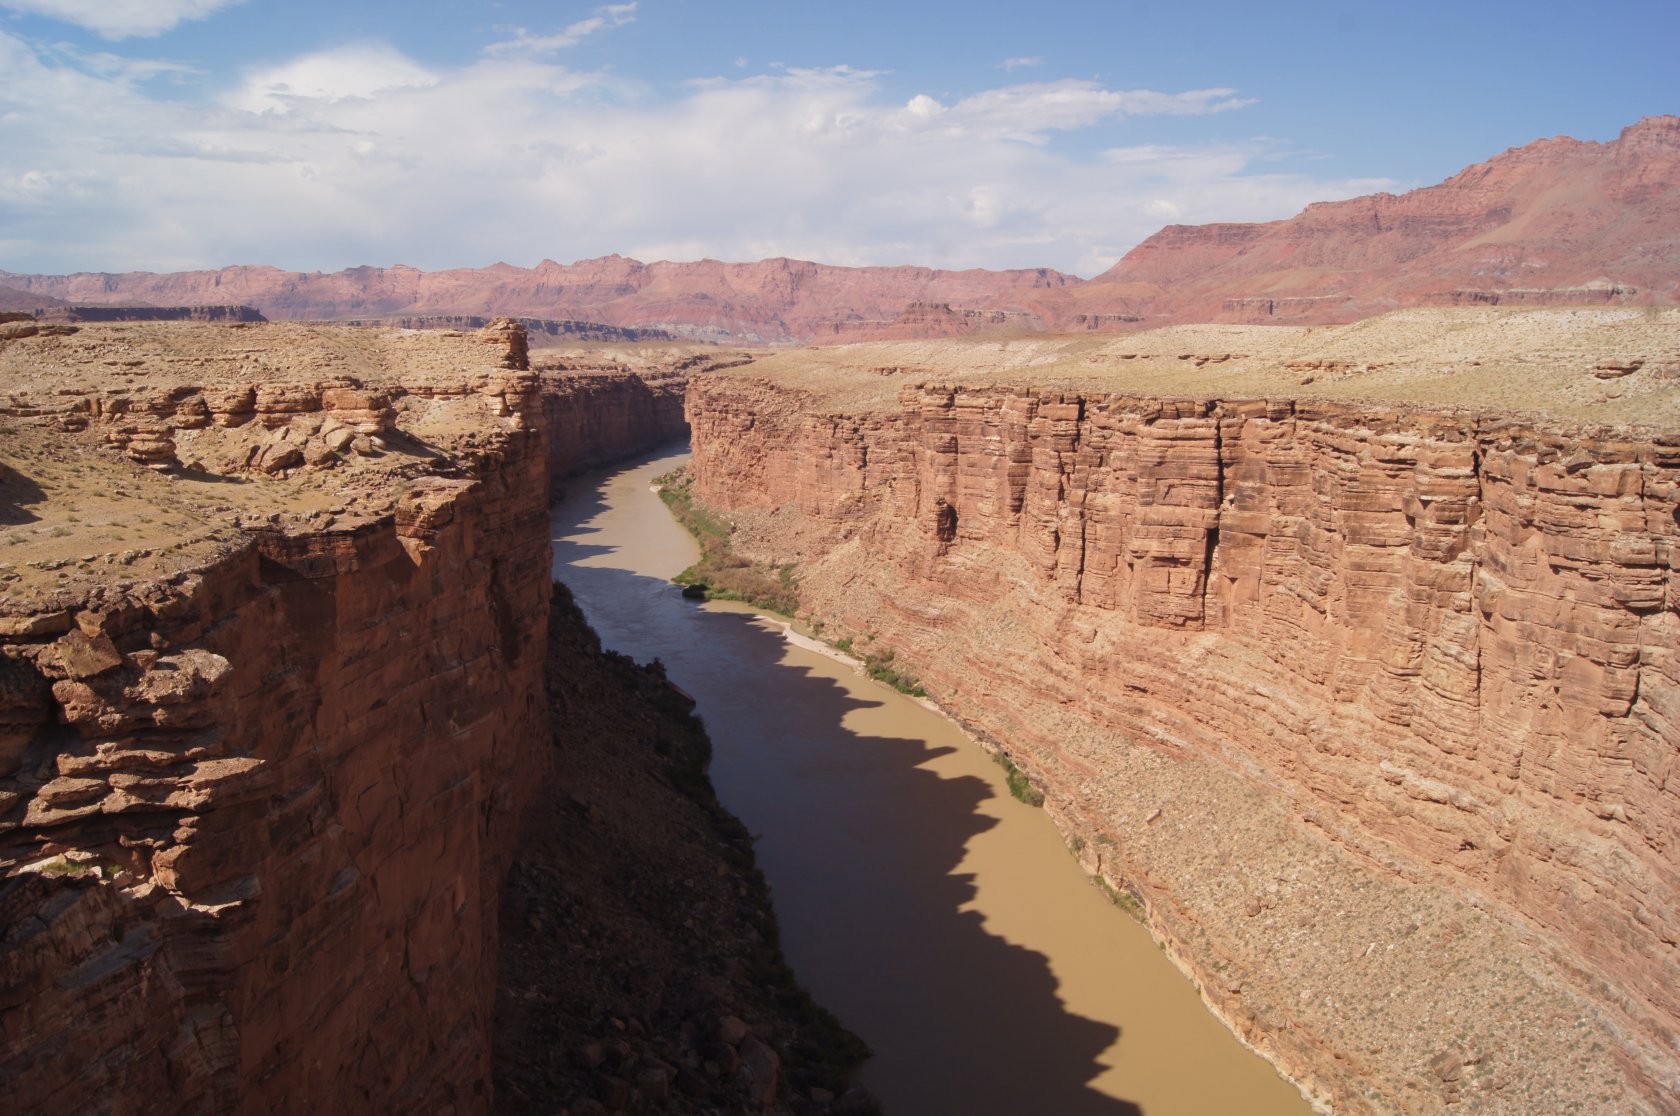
pixel 258 787
pixel 598 410
pixel 1364 705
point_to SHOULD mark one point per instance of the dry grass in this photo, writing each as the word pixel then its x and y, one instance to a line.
pixel 1536 362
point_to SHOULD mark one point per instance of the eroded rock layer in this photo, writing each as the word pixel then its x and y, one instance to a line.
pixel 605 405
pixel 1374 709
pixel 268 718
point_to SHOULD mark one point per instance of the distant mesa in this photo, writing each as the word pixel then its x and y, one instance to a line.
pixel 1555 222
pixel 771 301
pixel 14 301
pixel 72 314
pixel 541 331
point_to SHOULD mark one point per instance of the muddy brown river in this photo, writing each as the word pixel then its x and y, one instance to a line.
pixel 941 919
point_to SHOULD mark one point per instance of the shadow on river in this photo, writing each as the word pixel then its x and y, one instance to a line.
pixel 900 867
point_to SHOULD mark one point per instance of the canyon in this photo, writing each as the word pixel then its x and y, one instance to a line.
pixel 1319 574
pixel 1346 654
pixel 1554 222
pixel 1349 653
pixel 279 710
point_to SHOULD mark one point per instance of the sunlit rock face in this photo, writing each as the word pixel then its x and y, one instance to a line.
pixel 1365 702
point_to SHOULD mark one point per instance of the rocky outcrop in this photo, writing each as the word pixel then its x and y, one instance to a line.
pixel 771 300
pixel 1309 679
pixel 1593 294
pixel 259 786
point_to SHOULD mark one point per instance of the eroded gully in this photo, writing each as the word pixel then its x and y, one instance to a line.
pixel 939 918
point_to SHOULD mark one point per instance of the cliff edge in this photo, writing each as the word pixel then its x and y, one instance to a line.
pixel 271 694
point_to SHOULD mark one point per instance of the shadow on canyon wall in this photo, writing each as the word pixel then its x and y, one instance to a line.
pixel 861 844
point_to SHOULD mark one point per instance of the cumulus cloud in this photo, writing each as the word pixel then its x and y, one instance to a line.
pixel 524 42
pixel 121 19
pixel 354 71
pixel 363 155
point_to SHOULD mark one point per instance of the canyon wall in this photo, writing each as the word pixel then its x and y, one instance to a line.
pixel 259 784
pixel 1375 711
pixel 597 417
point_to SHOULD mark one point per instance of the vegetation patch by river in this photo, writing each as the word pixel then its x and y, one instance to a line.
pixel 722 574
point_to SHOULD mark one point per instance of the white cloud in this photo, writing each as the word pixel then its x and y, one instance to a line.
pixel 1027 112
pixel 120 19
pixel 523 42
pixel 362 155
pixel 359 70
pixel 1013 64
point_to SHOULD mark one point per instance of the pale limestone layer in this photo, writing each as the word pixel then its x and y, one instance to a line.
pixel 1374 709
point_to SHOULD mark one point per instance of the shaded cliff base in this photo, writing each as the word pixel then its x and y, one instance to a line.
pixel 639 968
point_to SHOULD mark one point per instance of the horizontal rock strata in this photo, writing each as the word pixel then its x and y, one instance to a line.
pixel 598 410
pixel 1374 710
pixel 259 783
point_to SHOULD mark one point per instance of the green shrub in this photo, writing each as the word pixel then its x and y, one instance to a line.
pixel 1125 900
pixel 721 574
pixel 878 665
pixel 1019 785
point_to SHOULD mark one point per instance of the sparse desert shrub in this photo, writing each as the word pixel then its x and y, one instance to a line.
pixel 721 574
pixel 1019 785
pixel 879 666
pixel 1125 900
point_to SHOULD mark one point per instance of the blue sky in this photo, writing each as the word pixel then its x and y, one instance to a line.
pixel 168 134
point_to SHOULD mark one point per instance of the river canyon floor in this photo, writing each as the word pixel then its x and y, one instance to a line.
pixel 938 917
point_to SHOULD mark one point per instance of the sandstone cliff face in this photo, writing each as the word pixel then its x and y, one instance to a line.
pixel 1433 657
pixel 597 409
pixel 258 788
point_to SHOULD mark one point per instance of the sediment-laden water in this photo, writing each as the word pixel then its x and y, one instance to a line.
pixel 938 917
